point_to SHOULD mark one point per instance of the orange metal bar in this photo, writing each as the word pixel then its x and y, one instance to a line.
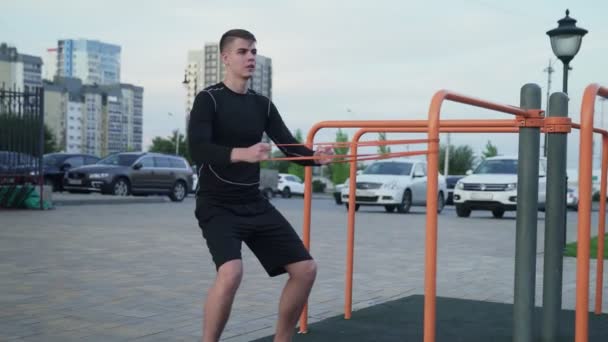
pixel 599 277
pixel 350 247
pixel 350 235
pixel 505 126
pixel 595 130
pixel 599 280
pixel 584 212
pixel 362 143
pixel 430 279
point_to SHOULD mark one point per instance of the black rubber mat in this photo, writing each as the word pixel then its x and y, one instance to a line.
pixel 457 320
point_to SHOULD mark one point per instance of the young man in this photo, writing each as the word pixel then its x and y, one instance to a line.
pixel 225 129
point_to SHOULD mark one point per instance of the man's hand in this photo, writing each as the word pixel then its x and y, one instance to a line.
pixel 324 151
pixel 251 154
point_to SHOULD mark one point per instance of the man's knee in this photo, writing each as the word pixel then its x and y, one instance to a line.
pixel 303 270
pixel 229 275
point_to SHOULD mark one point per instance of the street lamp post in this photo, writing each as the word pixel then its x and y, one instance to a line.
pixel 566 40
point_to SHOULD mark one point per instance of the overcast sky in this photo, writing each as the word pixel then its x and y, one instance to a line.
pixel 380 59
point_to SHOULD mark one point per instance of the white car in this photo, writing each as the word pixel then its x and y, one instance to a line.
pixel 290 184
pixel 572 199
pixel 493 186
pixel 396 184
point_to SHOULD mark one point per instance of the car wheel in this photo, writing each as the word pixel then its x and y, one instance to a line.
pixel 268 193
pixel 286 192
pixel 498 212
pixel 389 208
pixel 178 192
pixel 356 207
pixel 338 198
pixel 406 202
pixel 462 211
pixel 440 203
pixel 121 187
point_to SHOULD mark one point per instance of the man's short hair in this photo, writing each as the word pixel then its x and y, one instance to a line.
pixel 231 35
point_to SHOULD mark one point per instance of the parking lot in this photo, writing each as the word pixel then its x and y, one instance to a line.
pixel 139 271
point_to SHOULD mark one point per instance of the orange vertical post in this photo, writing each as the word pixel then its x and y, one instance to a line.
pixel 599 278
pixel 350 233
pixel 584 213
pixel 430 251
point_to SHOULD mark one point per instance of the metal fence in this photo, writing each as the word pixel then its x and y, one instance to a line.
pixel 21 145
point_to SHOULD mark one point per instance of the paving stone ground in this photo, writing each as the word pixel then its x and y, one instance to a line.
pixel 139 271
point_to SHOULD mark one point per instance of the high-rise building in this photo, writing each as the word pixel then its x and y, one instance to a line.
pixel 94 119
pixel 133 109
pixel 205 68
pixel 92 61
pixel 55 108
pixel 261 82
pixel 193 79
pixel 21 71
pixel 50 64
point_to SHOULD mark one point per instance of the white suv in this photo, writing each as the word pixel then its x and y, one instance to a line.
pixel 493 186
pixel 289 185
pixel 395 184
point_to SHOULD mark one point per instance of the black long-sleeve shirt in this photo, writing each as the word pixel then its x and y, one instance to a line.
pixel 221 120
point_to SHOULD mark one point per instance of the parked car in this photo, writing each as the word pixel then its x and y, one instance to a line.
pixel 56 166
pixel 194 186
pixel 395 184
pixel 451 184
pixel 338 191
pixel 134 173
pixel 493 186
pixel 572 199
pixel 289 185
pixel 18 168
pixel 269 182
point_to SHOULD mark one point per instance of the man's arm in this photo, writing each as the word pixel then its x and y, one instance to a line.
pixel 200 133
pixel 280 134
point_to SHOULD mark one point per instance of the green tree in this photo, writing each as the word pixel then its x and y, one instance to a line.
pixel 339 170
pixel 50 145
pixel 167 145
pixel 383 149
pixel 461 159
pixel 293 168
pixel 490 151
pixel 13 126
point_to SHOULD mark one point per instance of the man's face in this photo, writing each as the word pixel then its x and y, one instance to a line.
pixel 239 58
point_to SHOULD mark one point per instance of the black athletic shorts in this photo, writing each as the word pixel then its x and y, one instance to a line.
pixel 259 224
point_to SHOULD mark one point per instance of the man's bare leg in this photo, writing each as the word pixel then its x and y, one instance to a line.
pixel 301 277
pixel 219 299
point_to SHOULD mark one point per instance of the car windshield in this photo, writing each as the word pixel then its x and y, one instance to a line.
pixel 388 168
pixel 119 159
pixel 497 166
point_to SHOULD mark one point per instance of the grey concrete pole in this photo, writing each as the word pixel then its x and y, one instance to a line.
pixel 526 226
pixel 555 224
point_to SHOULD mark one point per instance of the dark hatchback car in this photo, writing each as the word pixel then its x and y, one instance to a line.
pixel 56 166
pixel 134 173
